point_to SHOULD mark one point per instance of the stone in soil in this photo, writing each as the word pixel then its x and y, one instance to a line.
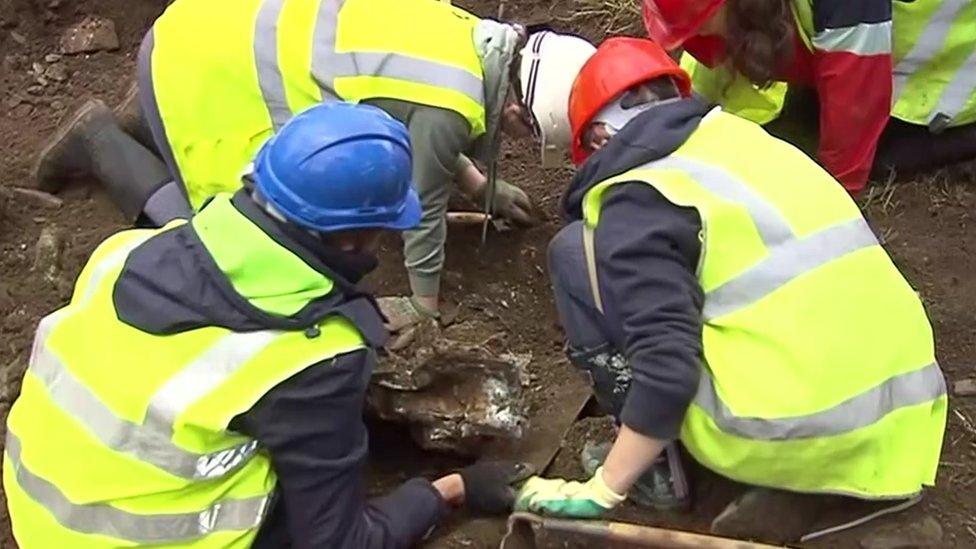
pixel 91 34
pixel 57 72
pixel 964 387
pixel 453 396
pixel 47 253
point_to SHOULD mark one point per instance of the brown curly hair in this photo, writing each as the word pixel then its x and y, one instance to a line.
pixel 759 38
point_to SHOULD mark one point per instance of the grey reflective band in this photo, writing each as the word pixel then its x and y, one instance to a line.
pixel 928 44
pixel 589 251
pixel 959 91
pixel 150 442
pixel 861 39
pixel 328 64
pixel 271 82
pixel 786 262
pixel 772 226
pixel 862 410
pixel 106 520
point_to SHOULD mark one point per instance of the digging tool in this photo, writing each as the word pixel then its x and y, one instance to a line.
pixel 524 527
pixel 477 218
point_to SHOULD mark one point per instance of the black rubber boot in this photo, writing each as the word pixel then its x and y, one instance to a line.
pixel 91 144
pixel 66 156
pixel 131 120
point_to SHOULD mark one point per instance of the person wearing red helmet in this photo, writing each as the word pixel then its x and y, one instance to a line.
pixel 894 81
pixel 722 290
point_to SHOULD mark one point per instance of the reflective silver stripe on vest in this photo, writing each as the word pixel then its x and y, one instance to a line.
pixel 959 91
pixel 150 442
pixel 867 408
pixel 772 226
pixel 106 520
pixel 786 262
pixel 928 44
pixel 861 39
pixel 789 256
pixel 266 61
pixel 329 64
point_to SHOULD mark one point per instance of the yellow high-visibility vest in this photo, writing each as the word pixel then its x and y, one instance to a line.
pixel 933 45
pixel 120 437
pixel 819 371
pixel 935 62
pixel 228 73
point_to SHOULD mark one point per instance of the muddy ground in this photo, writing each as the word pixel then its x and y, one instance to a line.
pixel 502 287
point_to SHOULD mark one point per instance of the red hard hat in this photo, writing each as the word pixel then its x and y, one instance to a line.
pixel 671 22
pixel 618 65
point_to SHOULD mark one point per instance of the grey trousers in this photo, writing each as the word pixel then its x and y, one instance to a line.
pixel 595 339
pixel 170 201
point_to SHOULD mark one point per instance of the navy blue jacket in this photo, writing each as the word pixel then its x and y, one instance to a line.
pixel 647 251
pixel 311 425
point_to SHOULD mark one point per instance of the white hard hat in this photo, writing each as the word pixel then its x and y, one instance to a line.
pixel 550 63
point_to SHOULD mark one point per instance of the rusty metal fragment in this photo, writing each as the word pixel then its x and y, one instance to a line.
pixel 454 396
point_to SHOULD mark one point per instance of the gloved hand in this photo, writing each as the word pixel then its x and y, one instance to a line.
pixel 561 498
pixel 488 485
pixel 512 203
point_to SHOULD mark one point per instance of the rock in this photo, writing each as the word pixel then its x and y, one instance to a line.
pixel 47 253
pixel 964 387
pixel 13 101
pixel 57 105
pixel 36 89
pixel 925 532
pixel 92 34
pixel 10 378
pixel 37 197
pixel 453 396
pixel 57 72
pixel 19 38
pixel 52 58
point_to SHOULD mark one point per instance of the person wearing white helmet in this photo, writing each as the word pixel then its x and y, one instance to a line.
pixel 212 95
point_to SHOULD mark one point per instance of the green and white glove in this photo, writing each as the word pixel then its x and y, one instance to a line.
pixel 562 498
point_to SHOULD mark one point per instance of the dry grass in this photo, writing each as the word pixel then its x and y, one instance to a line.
pixel 611 17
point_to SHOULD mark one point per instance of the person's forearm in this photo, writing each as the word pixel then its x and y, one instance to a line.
pixel 631 455
pixel 470 181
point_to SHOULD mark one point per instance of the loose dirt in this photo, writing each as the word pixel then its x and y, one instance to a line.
pixel 502 288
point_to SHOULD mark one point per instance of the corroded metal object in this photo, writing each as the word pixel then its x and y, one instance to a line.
pixel 454 396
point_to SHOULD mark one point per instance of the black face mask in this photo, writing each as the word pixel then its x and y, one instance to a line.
pixel 352 266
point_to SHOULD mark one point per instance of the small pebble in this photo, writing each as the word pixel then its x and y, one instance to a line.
pixel 964 387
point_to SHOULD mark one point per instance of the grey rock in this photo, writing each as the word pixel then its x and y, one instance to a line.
pixel 52 58
pixel 92 34
pixel 36 197
pixel 452 396
pixel 47 253
pixel 57 72
pixel 964 387
pixel 921 533
pixel 10 379
pixel 19 38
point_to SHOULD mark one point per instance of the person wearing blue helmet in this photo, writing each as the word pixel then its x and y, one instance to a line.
pixel 207 380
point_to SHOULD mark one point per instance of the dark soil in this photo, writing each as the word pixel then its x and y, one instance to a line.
pixel 502 287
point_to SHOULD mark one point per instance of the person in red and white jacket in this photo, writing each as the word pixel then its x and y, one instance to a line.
pixel 841 49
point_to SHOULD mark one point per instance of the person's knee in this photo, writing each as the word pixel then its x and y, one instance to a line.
pixel 565 251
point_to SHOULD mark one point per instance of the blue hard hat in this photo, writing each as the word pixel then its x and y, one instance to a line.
pixel 339 166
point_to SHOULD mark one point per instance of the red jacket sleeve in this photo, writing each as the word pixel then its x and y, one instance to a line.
pixel 853 76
